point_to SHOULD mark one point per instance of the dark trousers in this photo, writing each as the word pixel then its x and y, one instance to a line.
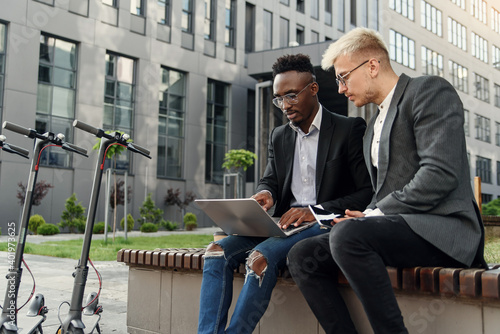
pixel 361 248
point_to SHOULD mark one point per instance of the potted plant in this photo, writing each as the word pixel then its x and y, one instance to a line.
pixel 234 161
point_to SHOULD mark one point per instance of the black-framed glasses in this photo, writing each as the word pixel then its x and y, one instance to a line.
pixel 291 98
pixel 340 79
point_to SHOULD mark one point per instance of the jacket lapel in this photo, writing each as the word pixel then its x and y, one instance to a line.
pixel 289 150
pixel 383 154
pixel 325 138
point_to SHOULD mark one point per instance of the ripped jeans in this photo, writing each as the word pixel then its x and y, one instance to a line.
pixel 217 285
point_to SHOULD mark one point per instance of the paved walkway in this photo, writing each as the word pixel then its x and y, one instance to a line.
pixel 54 280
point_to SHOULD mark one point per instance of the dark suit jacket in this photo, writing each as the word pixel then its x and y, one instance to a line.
pixel 342 181
pixel 423 172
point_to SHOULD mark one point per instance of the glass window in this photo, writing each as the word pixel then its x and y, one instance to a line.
pixel 300 6
pixel 284 32
pixel 498 173
pixel 164 7
pixel 483 169
pixel 402 49
pixel 249 27
pixel 268 31
pixel 432 62
pixel 315 9
pixel 497 134
pixel 495 20
pixel 285 2
pixel 497 95
pixel 314 36
pixel 187 16
pixel 119 99
pixel 57 68
pixel 110 2
pixel 403 7
pixel 478 10
pixel 459 3
pixel 482 88
pixel 340 15
pixel 354 13
pixel 171 119
pixel 457 34
pixel 210 10
pixel 479 47
pixel 229 37
pixel 300 35
pixel 483 128
pixel 495 55
pixel 137 7
pixel 459 76
pixel 217 123
pixel 431 18
pixel 328 12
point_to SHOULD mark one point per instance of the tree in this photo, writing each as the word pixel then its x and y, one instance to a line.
pixel 492 208
pixel 120 194
pixel 41 190
pixel 173 198
pixel 150 213
pixel 73 216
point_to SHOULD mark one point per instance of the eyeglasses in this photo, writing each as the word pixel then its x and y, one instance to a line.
pixel 289 98
pixel 340 79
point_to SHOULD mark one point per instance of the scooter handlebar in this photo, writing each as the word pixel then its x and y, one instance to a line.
pixel 19 150
pixel 74 148
pixel 17 128
pixel 138 149
pixel 86 127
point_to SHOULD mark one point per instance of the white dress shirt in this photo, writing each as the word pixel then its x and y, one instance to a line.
pixel 304 163
pixel 377 132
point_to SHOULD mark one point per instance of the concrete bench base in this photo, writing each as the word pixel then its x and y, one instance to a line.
pixel 163 297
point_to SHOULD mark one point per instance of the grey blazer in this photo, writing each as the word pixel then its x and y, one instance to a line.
pixel 423 173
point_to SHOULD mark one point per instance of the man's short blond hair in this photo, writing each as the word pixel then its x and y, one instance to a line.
pixel 359 41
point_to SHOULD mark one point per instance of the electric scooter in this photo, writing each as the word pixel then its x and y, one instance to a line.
pixel 32 323
pixel 74 323
pixel 12 148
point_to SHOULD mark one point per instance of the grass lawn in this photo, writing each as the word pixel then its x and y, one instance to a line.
pixel 492 250
pixel 102 251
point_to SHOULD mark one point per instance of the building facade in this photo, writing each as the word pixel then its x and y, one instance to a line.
pixel 189 80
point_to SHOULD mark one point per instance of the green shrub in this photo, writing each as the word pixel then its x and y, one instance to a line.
pixel 98 228
pixel 73 216
pixel 149 227
pixel 35 222
pixel 168 225
pixel 48 229
pixel 150 213
pixel 130 223
pixel 190 221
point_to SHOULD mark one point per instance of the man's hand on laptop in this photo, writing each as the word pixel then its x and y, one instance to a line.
pixel 265 199
pixel 295 217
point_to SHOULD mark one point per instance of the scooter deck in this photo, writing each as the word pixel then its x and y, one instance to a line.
pixel 28 325
pixel 91 323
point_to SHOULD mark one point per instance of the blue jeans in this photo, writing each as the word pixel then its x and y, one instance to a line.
pixel 217 284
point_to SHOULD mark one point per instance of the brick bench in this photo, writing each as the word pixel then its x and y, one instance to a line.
pixel 164 286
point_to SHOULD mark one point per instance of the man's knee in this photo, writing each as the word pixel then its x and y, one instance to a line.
pixel 257 263
pixel 214 250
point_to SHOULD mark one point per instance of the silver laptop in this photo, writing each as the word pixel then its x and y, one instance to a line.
pixel 245 217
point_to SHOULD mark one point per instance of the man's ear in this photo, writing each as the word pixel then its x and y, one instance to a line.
pixel 374 67
pixel 314 88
